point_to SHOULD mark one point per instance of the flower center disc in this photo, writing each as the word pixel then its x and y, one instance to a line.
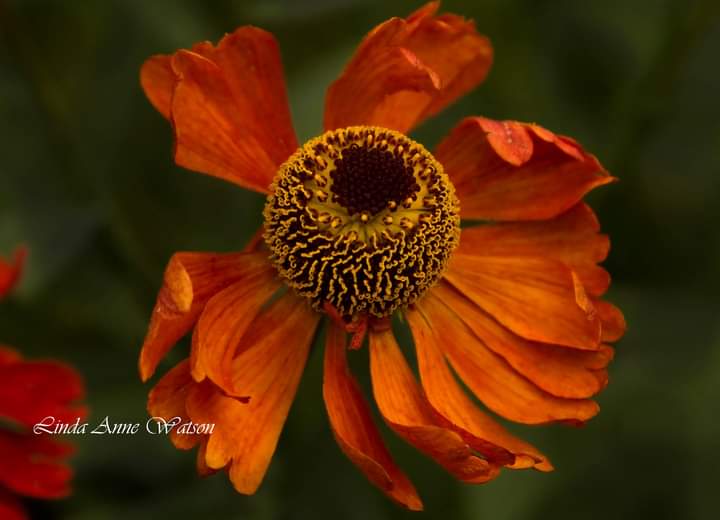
pixel 362 218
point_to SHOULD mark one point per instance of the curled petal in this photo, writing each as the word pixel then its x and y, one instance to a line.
pixel 33 390
pixel 167 401
pixel 406 70
pixel 223 323
pixel 504 170
pixel 10 271
pixel 480 431
pixel 560 371
pixel 537 298
pixel 573 238
pixel 353 426
pixel 613 321
pixel 228 106
pixel 408 413
pixel 158 81
pixel 267 371
pixel 491 379
pixel 34 465
pixel 190 280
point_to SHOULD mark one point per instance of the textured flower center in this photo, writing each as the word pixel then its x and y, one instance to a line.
pixel 362 218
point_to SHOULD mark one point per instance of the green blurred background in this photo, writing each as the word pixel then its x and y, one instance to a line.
pixel 88 183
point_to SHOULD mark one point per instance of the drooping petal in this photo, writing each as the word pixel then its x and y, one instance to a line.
pixel 560 371
pixel 480 431
pixel 200 461
pixel 573 238
pixel 408 413
pixel 228 106
pixel 406 70
pixel 504 170
pixel 224 322
pixel 190 280
pixel 10 271
pixel 536 298
pixel 33 390
pixel 34 465
pixel 166 401
pixel 267 371
pixel 613 321
pixel 491 379
pixel 353 426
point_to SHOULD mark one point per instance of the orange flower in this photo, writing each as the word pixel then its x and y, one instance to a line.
pixel 361 223
pixel 33 465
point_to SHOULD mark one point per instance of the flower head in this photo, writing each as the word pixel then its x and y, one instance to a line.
pixel 362 223
pixel 33 465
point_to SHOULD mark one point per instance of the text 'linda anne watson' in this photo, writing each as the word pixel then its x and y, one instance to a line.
pixel 153 426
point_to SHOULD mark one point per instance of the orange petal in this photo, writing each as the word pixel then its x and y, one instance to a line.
pixel 560 371
pixel 408 413
pixel 209 137
pixel 573 238
pixel 491 379
pixel 477 429
pixel 406 70
pixel 613 321
pixel 158 81
pixel 223 323
pixel 10 271
pixel 504 170
pixel 167 401
pixel 353 426
pixel 202 468
pixel 228 106
pixel 537 298
pixel 190 280
pixel 268 371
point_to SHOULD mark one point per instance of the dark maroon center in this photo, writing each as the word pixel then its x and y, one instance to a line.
pixel 367 179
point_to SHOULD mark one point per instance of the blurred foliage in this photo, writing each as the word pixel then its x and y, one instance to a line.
pixel 88 183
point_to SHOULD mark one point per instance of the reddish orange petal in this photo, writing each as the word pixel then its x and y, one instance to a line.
pixel 536 298
pixel 10 271
pixel 504 170
pixel 477 429
pixel 613 321
pixel 268 371
pixel 33 465
pixel 158 81
pixel 224 322
pixel 491 379
pixel 166 401
pixel 191 279
pixel 33 390
pixel 573 238
pixel 228 106
pixel 406 70
pixel 562 372
pixel 353 426
pixel 408 413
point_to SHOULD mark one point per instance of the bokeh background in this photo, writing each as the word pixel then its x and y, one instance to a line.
pixel 88 183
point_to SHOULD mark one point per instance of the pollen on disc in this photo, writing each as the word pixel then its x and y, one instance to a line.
pixel 363 218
